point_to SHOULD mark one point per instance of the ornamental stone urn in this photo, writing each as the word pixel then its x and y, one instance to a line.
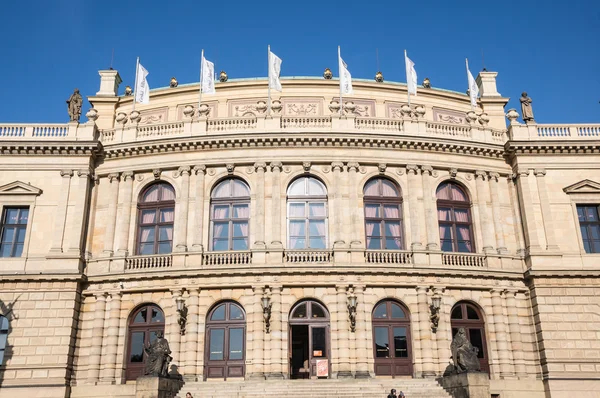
pixel 334 106
pixel 471 117
pixel 92 115
pixel 484 119
pixel 349 107
pixel 261 106
pixel 203 110
pixel 512 115
pixel 135 117
pixel 420 111
pixel 189 111
pixel 121 118
pixel 276 106
pixel 405 110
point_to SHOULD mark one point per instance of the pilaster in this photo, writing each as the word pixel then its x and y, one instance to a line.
pixel 184 203
pixel 96 343
pixel 356 229
pixel 276 370
pixel 415 231
pixel 532 240
pixel 259 224
pixel 497 213
pixel 76 230
pixel 200 171
pixel 514 328
pixel 487 229
pixel 362 349
pixel 425 332
pixel 109 372
pixel 191 335
pixel 431 224
pixel 174 336
pixel 257 368
pixel 111 216
pixel 276 205
pixel 337 204
pixel 124 219
pixel 343 331
pixel 61 212
pixel 549 228
pixel 502 339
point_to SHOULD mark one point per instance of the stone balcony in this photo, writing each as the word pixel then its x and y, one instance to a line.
pixel 48 132
pixel 553 132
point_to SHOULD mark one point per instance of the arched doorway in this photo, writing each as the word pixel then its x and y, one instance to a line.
pixel 144 324
pixel 391 339
pixel 467 315
pixel 225 348
pixel 309 340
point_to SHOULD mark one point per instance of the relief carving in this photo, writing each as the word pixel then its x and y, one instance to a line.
pixel 302 107
pixel 153 116
pixel 449 116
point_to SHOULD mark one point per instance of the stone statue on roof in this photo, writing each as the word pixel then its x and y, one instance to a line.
pixel 526 110
pixel 74 105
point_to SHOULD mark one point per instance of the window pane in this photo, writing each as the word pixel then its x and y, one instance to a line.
pixel 444 214
pixel 151 195
pixel 316 209
pixel 317 311
pixel 391 211
pixel 297 228
pixel 220 212
pixel 167 192
pixel 23 216
pixel 6 250
pixel 21 235
pixel 217 340
pixel 137 347
pixel 315 188
pixel 397 311
pixel 445 231
pixel 373 211
pixel 219 313
pixel 148 216
pixel 461 215
pixel 382 343
pixel 316 228
pixel 240 229
pixel 167 215
pixel 153 335
pixel 317 243
pixel 595 246
pixel 223 190
pixel 595 231
pixel 164 248
pixel 3 337
pixel 147 234
pixel 442 192
pixel 457 312
pixel 297 243
pixel 372 188
pixel 393 244
pixel 581 213
pixel 3 323
pixel 297 209
pixel 157 316
pixel 392 228
pixel 447 246
pixel 241 211
pixel 300 311
pixel 458 194
pixel 464 246
pixel 236 343
pixel 8 235
pixel 240 189
pixel 584 232
pixel 388 189
pixel 471 313
pixel 318 342
pixel 235 312
pixel 18 250
pixel 464 233
pixel 374 228
pixel 373 243
pixel 586 245
pixel 476 341
pixel 240 244
pixel 591 213
pixel 380 311
pixel 146 249
pixel 400 343
pixel 141 316
pixel 12 216
pixel 221 230
pixel 297 188
pixel 165 233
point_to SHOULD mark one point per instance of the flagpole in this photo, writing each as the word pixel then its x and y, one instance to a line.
pixel 340 74
pixel 469 83
pixel 137 67
pixel 269 79
pixel 405 67
pixel 201 75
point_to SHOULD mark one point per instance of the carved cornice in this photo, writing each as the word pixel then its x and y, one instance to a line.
pixel 92 149
pixel 564 147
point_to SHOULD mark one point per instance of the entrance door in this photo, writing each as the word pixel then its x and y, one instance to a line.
pixel 391 340
pixel 309 341
pixel 225 342
pixel 466 315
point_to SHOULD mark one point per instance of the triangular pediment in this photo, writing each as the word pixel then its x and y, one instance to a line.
pixel 19 188
pixel 585 186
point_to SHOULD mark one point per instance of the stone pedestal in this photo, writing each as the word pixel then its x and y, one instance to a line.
pixel 157 387
pixel 467 385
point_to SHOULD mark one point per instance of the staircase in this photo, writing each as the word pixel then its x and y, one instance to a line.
pixel 335 388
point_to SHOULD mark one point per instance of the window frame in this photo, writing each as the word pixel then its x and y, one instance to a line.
pixel 454 205
pixel 133 369
pixel 307 200
pixel 3 332
pixel 231 201
pixel 16 227
pixel 157 207
pixel 595 247
pixel 382 201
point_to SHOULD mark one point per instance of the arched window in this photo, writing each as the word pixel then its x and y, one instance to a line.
pixel 156 212
pixel 383 215
pixel 144 324
pixel 454 218
pixel 307 214
pixel 391 339
pixel 468 316
pixel 230 215
pixel 225 350
pixel 3 337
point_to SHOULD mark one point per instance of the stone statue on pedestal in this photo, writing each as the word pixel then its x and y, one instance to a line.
pixel 157 362
pixel 526 110
pixel 464 355
pixel 74 105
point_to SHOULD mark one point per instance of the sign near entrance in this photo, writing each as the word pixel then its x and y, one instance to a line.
pixel 317 353
pixel 322 368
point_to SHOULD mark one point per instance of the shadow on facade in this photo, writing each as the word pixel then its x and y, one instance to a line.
pixel 6 310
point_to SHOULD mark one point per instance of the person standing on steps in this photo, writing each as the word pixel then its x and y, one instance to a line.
pixel 392 394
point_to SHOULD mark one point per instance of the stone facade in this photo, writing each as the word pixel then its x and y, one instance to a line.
pixel 70 296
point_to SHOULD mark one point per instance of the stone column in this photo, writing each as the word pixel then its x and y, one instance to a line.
pixel 356 229
pixel 532 239
pixel 258 333
pixel 502 339
pixel 515 334
pixel 109 362
pixel 202 335
pixel 487 229
pixel 343 333
pixel 200 171
pixel 124 221
pixel 259 224
pixel 362 350
pixel 549 227
pixel 191 335
pixel 497 213
pixel 431 222
pixel 174 336
pixel 61 212
pixel 425 332
pixel 413 204
pixel 181 227
pixel 337 203
pixel 444 332
pixel 97 334
pixel 276 205
pixel 275 336
pixel 111 215
pixel 76 229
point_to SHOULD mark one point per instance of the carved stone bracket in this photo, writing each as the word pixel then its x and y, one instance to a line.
pixel 480 174
pixel 276 165
pixel 230 167
pixel 156 173
pixel 539 172
pixel 427 170
pixel 127 175
pixel 337 165
pixel 66 173
pixel 382 167
pixel 112 177
pixel 306 166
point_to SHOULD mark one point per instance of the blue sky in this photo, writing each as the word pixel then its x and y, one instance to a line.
pixel 548 48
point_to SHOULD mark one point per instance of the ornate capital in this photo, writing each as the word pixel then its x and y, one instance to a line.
pixel 382 167
pixel 412 169
pixel 260 166
pixel 66 173
pixel 127 175
pixel 494 176
pixel 100 296
pixel 539 172
pixel 156 173
pixel 84 173
pixel 337 166
pixel 480 174
pixel 184 170
pixel 521 173
pixel 276 166
pixel 353 166
pixel 199 169
pixel 113 177
pixel 427 169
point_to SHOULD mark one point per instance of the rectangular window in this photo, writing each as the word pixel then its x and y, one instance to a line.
pixel 589 224
pixel 14 226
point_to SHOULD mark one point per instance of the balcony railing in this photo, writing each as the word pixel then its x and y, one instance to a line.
pixel 306 122
pixel 378 124
pixel 231 124
pixel 47 132
pixel 449 129
pixel 148 263
pixel 464 260
pixel 388 257
pixel 539 132
pixel 307 256
pixel 160 130
pixel 227 258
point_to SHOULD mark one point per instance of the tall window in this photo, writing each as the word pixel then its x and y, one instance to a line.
pixel 589 223
pixel 144 325
pixel 155 220
pixel 307 214
pixel 230 215
pixel 3 336
pixel 454 218
pixel 383 215
pixel 14 226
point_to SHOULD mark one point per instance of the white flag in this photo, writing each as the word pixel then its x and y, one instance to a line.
pixel 411 75
pixel 142 89
pixel 345 76
pixel 207 82
pixel 473 89
pixel 274 72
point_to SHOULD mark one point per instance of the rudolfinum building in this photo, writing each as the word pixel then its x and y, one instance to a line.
pixel 300 242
